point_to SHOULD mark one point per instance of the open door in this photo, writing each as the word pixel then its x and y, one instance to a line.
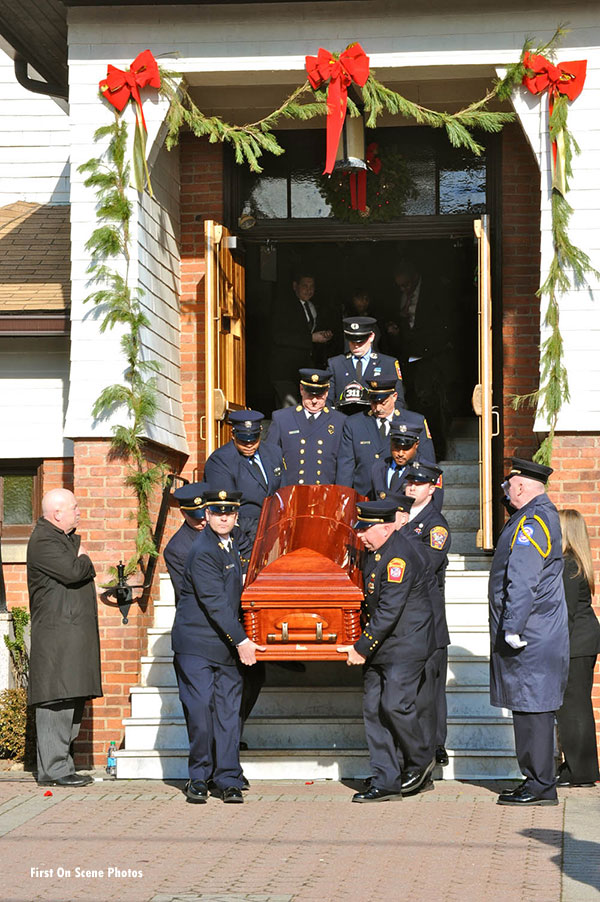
pixel 225 348
pixel 482 395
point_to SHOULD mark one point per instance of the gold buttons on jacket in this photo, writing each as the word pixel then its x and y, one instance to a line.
pixel 377 557
pixel 302 441
pixel 320 441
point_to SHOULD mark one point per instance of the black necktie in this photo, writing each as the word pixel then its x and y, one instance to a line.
pixel 382 429
pixel 311 418
pixel 309 317
pixel 359 366
pixel 256 467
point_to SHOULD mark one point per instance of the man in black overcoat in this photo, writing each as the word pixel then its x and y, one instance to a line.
pixel 396 640
pixel 529 629
pixel 64 666
pixel 209 645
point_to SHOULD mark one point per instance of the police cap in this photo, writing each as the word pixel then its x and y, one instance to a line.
pixel 423 471
pixel 315 381
pixel 246 424
pixel 358 327
pixel 530 470
pixel 403 502
pixel 222 502
pixel 380 389
pixel 191 498
pixel 370 513
pixel 403 436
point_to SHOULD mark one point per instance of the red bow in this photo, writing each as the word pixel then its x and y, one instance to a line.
pixel 119 86
pixel 352 65
pixel 564 78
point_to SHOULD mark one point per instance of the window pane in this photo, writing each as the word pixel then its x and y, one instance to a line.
pixel 422 173
pixel 307 200
pixel 267 199
pixel 18 500
pixel 463 190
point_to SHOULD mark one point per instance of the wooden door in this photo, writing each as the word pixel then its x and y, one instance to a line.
pixel 225 349
pixel 482 395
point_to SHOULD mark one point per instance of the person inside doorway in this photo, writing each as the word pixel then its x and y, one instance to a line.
pixel 296 333
pixel 360 304
pixel 362 364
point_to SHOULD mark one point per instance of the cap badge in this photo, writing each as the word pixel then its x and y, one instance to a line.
pixel 248 424
pixel 354 326
pixel 402 427
pixel 314 377
pixel 198 500
pixel 222 495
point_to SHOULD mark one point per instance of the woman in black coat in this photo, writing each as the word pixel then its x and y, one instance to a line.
pixel 576 727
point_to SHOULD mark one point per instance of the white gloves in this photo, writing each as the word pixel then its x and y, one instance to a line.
pixel 514 640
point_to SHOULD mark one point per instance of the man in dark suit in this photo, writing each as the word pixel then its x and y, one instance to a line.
pixel 309 435
pixel 295 332
pixel 361 364
pixel 209 644
pixel 365 437
pixel 430 529
pixel 529 629
pixel 396 640
pixel 422 332
pixel 248 466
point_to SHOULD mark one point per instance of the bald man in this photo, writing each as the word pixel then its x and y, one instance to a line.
pixel 64 668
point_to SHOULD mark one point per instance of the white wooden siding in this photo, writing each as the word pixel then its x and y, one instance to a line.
pixel 34 384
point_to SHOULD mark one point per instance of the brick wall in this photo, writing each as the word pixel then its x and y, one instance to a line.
pixel 201 198
pixel 576 457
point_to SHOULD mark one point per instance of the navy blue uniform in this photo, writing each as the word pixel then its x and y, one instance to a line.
pixel 382 485
pixel 430 530
pixel 380 366
pixel 180 544
pixel 397 639
pixel 309 449
pixel 527 598
pixel 204 637
pixel 362 445
pixel 227 469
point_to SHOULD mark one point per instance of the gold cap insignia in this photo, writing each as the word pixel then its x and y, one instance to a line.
pixel 248 424
pixel 198 500
pixel 223 495
pixel 402 427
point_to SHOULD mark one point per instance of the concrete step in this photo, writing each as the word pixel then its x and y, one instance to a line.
pixel 467 641
pixel 468 670
pixel 461 449
pixel 164 615
pixel 464 541
pixel 157 671
pixel 461 495
pixel 464 472
pixel 461 518
pixel 459 563
pixel 466 583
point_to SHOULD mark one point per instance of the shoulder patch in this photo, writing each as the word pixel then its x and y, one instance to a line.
pixel 437 537
pixel 525 534
pixel 426 424
pixel 398 371
pixel 440 482
pixel 395 570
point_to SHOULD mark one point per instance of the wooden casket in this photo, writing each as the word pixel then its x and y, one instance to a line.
pixel 303 590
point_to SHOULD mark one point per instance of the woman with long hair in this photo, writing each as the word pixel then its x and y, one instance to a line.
pixel 576 727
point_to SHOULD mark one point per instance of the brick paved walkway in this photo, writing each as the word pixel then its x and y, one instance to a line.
pixel 292 842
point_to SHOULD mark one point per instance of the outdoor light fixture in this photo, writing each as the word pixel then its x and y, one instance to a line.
pixel 350 155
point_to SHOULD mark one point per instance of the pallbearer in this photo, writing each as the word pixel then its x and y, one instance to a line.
pixel 430 529
pixel 309 435
pixel 210 644
pixel 396 640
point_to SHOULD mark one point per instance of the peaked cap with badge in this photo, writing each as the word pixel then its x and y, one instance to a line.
pixel 346 369
pixel 246 424
pixel 190 498
pixel 530 470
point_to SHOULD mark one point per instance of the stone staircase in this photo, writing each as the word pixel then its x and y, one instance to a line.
pixel 461 484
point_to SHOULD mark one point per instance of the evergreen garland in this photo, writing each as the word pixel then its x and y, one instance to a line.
pixel 121 304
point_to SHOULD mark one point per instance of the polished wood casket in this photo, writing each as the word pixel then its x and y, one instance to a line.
pixel 303 590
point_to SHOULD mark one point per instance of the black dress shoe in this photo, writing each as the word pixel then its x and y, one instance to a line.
pixel 245 784
pixel 232 794
pixel 522 796
pixel 441 756
pixel 565 781
pixel 377 795
pixel 243 746
pixel 414 778
pixel 196 791
pixel 69 780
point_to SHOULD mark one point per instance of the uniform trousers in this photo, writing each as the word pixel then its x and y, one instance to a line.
pixel 254 680
pixel 57 725
pixel 432 707
pixel 211 695
pixel 576 727
pixel 534 743
pixel 395 736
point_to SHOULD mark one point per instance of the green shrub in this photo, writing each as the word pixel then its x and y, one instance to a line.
pixel 17 739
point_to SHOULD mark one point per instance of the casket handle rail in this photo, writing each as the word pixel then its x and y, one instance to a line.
pixel 301 636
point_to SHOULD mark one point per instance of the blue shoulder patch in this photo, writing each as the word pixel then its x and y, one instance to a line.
pixel 525 533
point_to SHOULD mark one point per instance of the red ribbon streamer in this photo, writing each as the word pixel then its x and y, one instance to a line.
pixel 119 86
pixel 562 78
pixel 352 65
pixel 358 180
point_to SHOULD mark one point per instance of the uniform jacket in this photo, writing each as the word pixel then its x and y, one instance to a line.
pixel 526 597
pixel 65 646
pixel 309 449
pixel 207 619
pixel 227 469
pixel 379 483
pixel 397 613
pixel 179 546
pixel 584 629
pixel 361 446
pixel 430 528
pixel 380 366
pixel 440 624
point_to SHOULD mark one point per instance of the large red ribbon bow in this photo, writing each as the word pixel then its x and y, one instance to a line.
pixel 562 78
pixel 119 86
pixel 352 65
